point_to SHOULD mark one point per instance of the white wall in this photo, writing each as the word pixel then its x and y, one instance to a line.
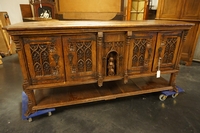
pixel 155 4
pixel 197 51
pixel 13 9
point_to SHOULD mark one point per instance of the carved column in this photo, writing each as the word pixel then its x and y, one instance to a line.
pixel 99 59
pixel 126 54
pixel 22 60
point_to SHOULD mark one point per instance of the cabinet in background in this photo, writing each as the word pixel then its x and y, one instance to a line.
pixel 182 10
pixel 6 45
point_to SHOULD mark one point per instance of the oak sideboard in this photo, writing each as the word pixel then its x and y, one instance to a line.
pixel 73 62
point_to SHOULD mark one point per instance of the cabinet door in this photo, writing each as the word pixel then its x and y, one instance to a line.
pixel 141 52
pixel 166 51
pixel 80 56
pixel 191 9
pixel 113 54
pixel 169 9
pixel 44 59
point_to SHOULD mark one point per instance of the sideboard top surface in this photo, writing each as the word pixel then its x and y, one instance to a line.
pixel 60 25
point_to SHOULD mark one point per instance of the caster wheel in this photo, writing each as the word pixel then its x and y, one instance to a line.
pixel 30 119
pixel 162 97
pixel 174 95
pixel 49 113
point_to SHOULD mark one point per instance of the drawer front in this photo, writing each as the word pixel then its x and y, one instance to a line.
pixel 45 59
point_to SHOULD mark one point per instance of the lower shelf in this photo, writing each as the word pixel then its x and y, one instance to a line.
pixel 49 98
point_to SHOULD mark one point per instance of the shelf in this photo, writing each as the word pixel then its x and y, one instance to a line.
pixel 57 97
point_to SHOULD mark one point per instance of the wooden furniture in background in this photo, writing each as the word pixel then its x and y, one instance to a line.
pixel 95 10
pixel 6 45
pixel 102 60
pixel 38 10
pixel 137 9
pixel 197 50
pixel 182 10
pixel 42 7
pixel 74 10
pixel 26 11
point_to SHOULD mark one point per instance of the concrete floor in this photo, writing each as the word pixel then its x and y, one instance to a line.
pixel 137 114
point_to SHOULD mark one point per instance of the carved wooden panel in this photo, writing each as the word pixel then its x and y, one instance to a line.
pixel 141 52
pixel 167 49
pixel 80 56
pixel 44 57
pixel 113 53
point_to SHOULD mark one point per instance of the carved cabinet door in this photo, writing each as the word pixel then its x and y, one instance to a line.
pixel 80 56
pixel 141 52
pixel 113 54
pixel 167 49
pixel 44 59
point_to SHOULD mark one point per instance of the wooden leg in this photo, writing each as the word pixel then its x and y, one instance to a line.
pixel 31 101
pixel 172 81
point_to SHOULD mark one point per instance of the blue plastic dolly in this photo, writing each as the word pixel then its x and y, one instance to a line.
pixel 37 113
pixel 174 94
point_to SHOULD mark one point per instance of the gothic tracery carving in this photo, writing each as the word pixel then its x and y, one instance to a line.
pixel 138 58
pixel 42 51
pixel 84 56
pixel 170 46
pixel 113 45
